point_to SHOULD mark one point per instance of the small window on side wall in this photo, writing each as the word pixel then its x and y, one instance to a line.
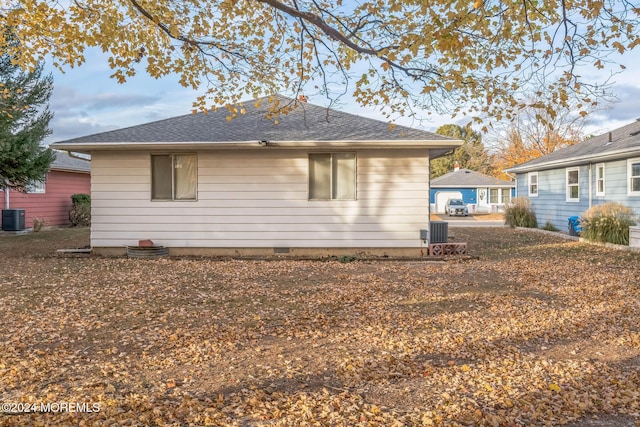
pixel 174 177
pixel 332 176
pixel 573 185
pixel 633 174
pixel 36 187
pixel 600 187
pixel 533 184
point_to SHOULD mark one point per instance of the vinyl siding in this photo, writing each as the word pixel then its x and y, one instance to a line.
pixel 54 204
pixel 551 204
pixel 260 199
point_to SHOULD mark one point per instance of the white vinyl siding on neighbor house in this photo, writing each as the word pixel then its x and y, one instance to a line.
pixel 573 184
pixel 260 198
pixel 633 174
pixel 600 180
pixel 532 178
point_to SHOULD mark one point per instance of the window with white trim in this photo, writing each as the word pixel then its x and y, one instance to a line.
pixel 633 174
pixel 506 195
pixel 533 184
pixel 332 176
pixel 174 177
pixel 573 185
pixel 600 179
pixel 36 187
pixel 493 196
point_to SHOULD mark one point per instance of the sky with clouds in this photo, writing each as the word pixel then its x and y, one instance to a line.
pixel 86 100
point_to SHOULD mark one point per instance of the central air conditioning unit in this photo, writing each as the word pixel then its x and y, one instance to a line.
pixel 13 219
pixel 439 231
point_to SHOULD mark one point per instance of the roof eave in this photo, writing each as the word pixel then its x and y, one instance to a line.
pixel 87 147
pixel 574 161
pixel 67 169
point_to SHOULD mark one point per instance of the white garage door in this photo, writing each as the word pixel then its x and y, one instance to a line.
pixel 443 196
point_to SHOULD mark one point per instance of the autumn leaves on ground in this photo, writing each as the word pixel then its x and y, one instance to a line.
pixel 537 331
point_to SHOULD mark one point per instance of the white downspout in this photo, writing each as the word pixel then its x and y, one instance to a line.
pixel 6 194
pixel 590 185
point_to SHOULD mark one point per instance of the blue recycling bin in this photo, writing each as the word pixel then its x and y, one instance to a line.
pixel 574 226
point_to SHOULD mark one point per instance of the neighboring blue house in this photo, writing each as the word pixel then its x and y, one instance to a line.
pixel 481 193
pixel 567 182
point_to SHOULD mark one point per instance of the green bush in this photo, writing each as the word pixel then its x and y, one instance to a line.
pixel 608 223
pixel 81 198
pixel 550 227
pixel 80 213
pixel 518 213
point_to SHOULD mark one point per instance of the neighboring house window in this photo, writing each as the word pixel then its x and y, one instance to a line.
pixel 332 176
pixel 493 195
pixel 506 195
pixel 533 184
pixel 174 176
pixel 600 179
pixel 37 187
pixel 633 172
pixel 573 186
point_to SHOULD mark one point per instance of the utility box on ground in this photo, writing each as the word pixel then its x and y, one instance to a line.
pixel 438 232
pixel 13 219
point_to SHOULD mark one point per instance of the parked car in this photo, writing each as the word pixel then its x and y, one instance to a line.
pixel 456 207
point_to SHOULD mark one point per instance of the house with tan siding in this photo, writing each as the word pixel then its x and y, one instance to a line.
pixel 315 181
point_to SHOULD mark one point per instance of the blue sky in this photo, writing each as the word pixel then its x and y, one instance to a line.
pixel 86 101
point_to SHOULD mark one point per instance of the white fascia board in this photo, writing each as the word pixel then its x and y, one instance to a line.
pixel 575 161
pixel 394 144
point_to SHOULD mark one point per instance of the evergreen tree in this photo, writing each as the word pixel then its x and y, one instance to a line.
pixel 24 123
pixel 471 155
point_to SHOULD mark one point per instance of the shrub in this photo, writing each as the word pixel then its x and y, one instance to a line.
pixel 518 213
pixel 550 227
pixel 608 223
pixel 81 198
pixel 80 213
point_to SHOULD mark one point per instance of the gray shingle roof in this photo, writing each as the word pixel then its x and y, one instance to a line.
pixel 64 161
pixel 307 122
pixel 623 142
pixel 469 178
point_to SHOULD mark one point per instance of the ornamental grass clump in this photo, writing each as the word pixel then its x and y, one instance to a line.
pixel 608 223
pixel 518 213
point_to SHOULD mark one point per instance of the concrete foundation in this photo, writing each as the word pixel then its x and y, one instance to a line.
pixel 280 252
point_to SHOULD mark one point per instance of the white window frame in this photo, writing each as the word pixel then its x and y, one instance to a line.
pixel 497 194
pixel 600 166
pixel 631 177
pixel 530 175
pixel 331 175
pixel 173 197
pixel 502 191
pixel 36 187
pixel 570 186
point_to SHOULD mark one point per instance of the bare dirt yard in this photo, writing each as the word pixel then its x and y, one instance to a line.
pixel 537 330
